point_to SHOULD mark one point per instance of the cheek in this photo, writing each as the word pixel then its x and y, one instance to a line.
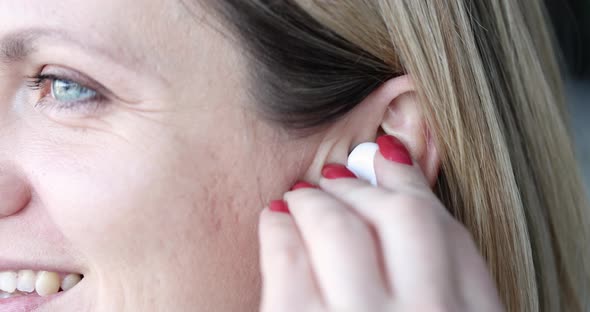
pixel 181 207
pixel 121 204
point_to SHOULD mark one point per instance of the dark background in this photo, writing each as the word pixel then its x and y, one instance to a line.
pixel 571 20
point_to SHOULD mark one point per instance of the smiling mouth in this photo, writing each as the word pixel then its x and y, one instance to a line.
pixel 31 283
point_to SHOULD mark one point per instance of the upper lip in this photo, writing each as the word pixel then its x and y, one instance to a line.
pixel 57 266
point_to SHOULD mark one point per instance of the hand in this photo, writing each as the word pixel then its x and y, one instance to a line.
pixel 349 246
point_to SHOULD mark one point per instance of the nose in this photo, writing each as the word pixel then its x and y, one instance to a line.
pixel 15 193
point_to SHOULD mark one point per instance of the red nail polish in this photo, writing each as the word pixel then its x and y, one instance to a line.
pixel 302 185
pixel 278 206
pixel 394 150
pixel 337 171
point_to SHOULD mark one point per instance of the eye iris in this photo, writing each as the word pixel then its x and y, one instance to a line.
pixel 69 91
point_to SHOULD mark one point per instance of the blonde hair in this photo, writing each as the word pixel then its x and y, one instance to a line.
pixel 490 86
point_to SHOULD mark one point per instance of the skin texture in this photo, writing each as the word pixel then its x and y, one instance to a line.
pixel 154 192
pixel 154 197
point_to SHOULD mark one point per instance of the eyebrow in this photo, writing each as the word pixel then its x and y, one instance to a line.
pixel 19 45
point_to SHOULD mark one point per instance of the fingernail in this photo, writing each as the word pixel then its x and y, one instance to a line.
pixel 394 150
pixel 278 206
pixel 337 171
pixel 302 185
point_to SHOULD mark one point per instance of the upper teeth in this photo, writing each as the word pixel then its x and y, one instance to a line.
pixel 27 281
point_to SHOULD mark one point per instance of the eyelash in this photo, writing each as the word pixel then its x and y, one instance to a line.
pixel 42 81
pixel 36 82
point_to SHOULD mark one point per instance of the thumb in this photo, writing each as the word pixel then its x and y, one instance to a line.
pixel 394 167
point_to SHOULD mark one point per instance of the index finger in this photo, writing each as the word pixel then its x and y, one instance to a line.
pixel 394 167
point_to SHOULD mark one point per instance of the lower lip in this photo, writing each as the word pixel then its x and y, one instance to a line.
pixel 26 303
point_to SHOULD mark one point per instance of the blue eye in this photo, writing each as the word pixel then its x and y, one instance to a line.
pixel 69 91
pixel 63 94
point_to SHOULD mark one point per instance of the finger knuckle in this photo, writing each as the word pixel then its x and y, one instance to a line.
pixel 417 186
pixel 285 255
pixel 331 225
pixel 311 203
pixel 274 225
pixel 413 200
pixel 410 208
pixel 366 191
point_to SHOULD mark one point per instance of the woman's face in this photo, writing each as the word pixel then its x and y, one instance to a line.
pixel 145 161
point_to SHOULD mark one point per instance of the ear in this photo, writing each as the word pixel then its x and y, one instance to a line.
pixel 405 120
pixel 392 109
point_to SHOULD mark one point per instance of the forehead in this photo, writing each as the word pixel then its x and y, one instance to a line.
pixel 143 32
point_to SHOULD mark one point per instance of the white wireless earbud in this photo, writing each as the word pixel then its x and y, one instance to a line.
pixel 361 159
